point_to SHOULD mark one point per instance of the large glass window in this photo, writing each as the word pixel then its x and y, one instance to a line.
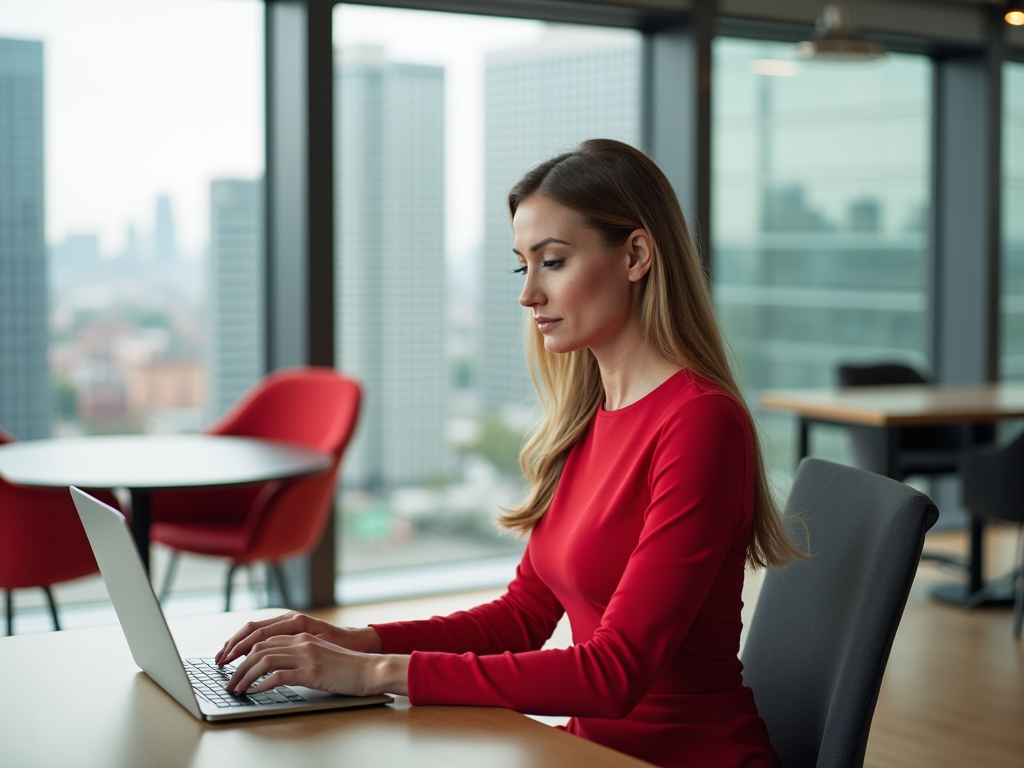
pixel 821 181
pixel 1012 335
pixel 131 155
pixel 437 116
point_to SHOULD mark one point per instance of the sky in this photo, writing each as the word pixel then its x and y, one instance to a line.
pixel 157 97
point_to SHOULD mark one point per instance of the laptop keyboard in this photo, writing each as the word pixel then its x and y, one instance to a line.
pixel 208 681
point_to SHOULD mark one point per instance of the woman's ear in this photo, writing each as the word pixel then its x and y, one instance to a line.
pixel 640 251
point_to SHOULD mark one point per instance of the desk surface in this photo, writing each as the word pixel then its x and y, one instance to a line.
pixel 79 700
pixel 901 405
pixel 154 461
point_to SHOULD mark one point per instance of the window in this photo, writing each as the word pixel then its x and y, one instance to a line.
pixel 430 136
pixel 131 154
pixel 1012 362
pixel 821 176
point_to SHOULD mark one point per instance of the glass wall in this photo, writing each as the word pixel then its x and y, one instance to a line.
pixel 820 184
pixel 437 116
pixel 131 157
pixel 1012 332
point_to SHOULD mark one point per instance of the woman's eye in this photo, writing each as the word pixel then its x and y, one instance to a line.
pixel 552 263
pixel 520 271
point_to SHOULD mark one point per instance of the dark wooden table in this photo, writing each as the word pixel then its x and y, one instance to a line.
pixel 146 463
pixel 903 405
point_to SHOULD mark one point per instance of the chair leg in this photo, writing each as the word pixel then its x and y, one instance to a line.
pixel 227 588
pixel 281 584
pixel 10 611
pixel 53 608
pixel 251 578
pixel 1018 602
pixel 169 574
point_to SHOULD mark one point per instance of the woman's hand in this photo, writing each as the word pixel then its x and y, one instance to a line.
pixel 312 661
pixel 365 640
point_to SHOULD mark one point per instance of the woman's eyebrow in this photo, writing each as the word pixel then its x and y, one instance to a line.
pixel 542 243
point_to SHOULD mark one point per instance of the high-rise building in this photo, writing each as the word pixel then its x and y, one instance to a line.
pixel 390 264
pixel 235 354
pixel 24 370
pixel 539 101
pixel 164 247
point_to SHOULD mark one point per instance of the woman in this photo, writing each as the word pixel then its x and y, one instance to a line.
pixel 647 495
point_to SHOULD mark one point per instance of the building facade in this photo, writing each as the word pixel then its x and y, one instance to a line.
pixel 235 352
pixel 25 399
pixel 390 265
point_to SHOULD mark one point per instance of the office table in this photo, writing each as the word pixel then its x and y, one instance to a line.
pixel 888 407
pixel 146 463
pixel 76 698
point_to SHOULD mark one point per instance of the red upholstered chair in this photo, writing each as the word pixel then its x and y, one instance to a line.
pixel 274 521
pixel 42 541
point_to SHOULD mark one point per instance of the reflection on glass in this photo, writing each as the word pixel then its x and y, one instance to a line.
pixel 430 135
pixel 820 190
pixel 1012 333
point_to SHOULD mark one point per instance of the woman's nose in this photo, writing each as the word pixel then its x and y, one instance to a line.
pixel 529 296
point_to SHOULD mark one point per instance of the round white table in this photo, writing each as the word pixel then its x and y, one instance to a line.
pixel 146 463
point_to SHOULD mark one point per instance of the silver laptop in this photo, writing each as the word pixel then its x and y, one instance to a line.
pixel 195 683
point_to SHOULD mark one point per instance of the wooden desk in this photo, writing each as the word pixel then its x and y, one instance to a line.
pixel 888 407
pixel 145 463
pixel 76 698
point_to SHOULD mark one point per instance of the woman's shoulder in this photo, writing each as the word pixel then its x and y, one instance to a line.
pixel 694 402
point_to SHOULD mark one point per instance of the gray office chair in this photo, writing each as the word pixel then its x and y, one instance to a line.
pixel 993 486
pixel 928 450
pixel 823 627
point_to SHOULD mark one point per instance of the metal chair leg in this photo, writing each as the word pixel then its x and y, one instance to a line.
pixel 227 588
pixel 251 578
pixel 10 612
pixel 169 574
pixel 281 583
pixel 1018 603
pixel 53 608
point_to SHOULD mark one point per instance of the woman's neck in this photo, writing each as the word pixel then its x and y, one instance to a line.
pixel 630 371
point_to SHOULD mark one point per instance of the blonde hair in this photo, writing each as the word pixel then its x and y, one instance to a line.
pixel 616 189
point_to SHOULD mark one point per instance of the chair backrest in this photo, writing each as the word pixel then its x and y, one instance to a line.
pixel 42 541
pixel 313 406
pixel 849 375
pixel 316 407
pixel 992 480
pixel 823 627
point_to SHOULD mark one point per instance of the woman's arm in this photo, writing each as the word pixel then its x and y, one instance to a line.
pixel 698 516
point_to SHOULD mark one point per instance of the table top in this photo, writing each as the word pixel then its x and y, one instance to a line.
pixel 154 461
pixel 80 700
pixel 901 405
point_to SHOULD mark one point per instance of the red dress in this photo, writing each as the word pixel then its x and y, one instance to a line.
pixel 644 546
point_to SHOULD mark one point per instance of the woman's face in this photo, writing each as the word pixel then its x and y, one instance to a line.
pixel 581 292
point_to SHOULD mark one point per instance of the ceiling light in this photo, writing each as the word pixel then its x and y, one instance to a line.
pixel 1014 13
pixel 837 40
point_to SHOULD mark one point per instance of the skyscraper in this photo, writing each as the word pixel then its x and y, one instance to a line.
pixel 164 247
pixel 539 101
pixel 235 356
pixel 24 370
pixel 390 264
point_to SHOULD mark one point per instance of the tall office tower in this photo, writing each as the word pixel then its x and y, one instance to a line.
pixel 390 264
pixel 572 85
pixel 235 354
pixel 24 369
pixel 164 248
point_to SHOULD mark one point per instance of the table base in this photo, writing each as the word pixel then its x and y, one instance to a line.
pixel 1000 596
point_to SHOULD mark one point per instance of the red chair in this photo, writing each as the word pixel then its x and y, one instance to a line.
pixel 267 522
pixel 42 541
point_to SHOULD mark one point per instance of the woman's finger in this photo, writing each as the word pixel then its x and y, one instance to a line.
pixel 257 631
pixel 267 663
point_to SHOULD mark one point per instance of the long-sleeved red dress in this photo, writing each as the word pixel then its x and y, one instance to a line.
pixel 644 546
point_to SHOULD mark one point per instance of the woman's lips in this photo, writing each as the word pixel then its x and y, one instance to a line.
pixel 545 324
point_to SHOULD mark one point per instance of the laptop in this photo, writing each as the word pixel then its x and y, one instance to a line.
pixel 195 683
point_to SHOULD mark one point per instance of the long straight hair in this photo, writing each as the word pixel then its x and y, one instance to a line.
pixel 616 189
